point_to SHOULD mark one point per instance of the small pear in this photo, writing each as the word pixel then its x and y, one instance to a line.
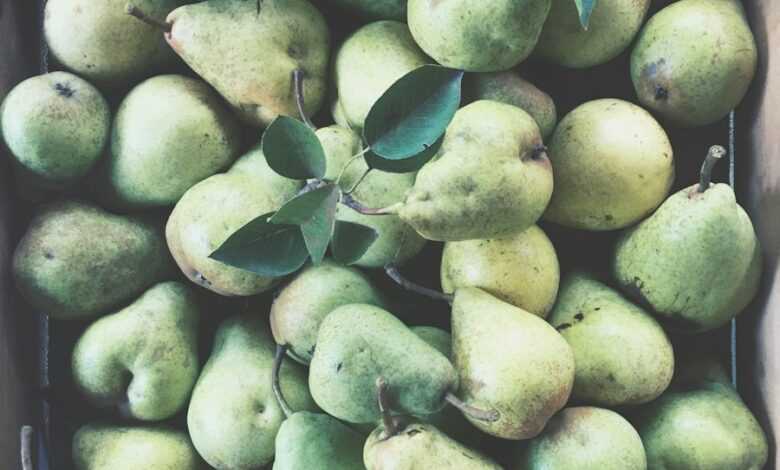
pixel 62 276
pixel 618 148
pixel 56 127
pixel 233 416
pixel 521 269
pixel 490 179
pixel 213 209
pixel 170 133
pixel 613 25
pixel 585 438
pixel 143 358
pixel 696 261
pixel 622 354
pixel 511 361
pixel 376 9
pixel 101 446
pixel 301 305
pixel 316 441
pixel 490 36
pixel 694 61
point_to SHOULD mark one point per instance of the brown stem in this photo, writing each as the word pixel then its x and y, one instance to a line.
pixel 357 206
pixel 133 10
pixel 26 438
pixel 394 274
pixel 391 426
pixel 715 153
pixel 298 83
pixel 281 350
pixel 470 411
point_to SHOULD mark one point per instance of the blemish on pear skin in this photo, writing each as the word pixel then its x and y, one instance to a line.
pixel 64 90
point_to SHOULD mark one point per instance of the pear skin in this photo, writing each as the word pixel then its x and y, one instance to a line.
pixel 317 441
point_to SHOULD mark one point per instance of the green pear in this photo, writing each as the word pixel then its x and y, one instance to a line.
pixel 492 36
pixel 65 277
pixel 418 446
pixel 510 88
pixel 617 147
pixel 622 354
pixel 511 361
pixel 376 9
pixel 694 61
pixel 300 307
pixel 170 133
pixel 316 441
pixel 248 51
pixel 585 438
pixel 97 40
pixel 521 269
pixel 436 337
pixel 233 416
pixel 360 343
pixel 696 261
pixel 56 127
pixel 397 241
pixel 101 446
pixel 143 358
pixel 213 209
pixel 701 400
pixel 490 179
pixel 369 62
pixel 613 25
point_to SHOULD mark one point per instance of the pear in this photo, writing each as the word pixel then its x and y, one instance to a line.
pixel 436 337
pixel 62 276
pixel 397 242
pixel 143 358
pixel 490 179
pixel 360 343
pixel 421 445
pixel 696 261
pixel 233 416
pixel 101 446
pixel 613 25
pixel 694 61
pixel 213 209
pixel 521 269
pixel 98 41
pixel 618 148
pixel 248 51
pixel 622 354
pixel 369 62
pixel 701 397
pixel 492 36
pixel 510 88
pixel 55 126
pixel 300 307
pixel 314 441
pixel 511 361
pixel 585 438
pixel 170 133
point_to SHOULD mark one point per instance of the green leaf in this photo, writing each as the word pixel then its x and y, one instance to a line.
pixel 315 213
pixel 264 248
pixel 413 113
pixel 351 241
pixel 404 166
pixel 293 150
pixel 585 8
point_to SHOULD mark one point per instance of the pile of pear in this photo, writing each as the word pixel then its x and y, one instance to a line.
pixel 137 162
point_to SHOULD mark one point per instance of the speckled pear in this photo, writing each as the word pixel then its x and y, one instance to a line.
pixel 316 441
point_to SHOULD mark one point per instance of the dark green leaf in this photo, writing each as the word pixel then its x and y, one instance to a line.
pixel 315 213
pixel 404 166
pixel 351 241
pixel 413 113
pixel 585 8
pixel 264 248
pixel 293 150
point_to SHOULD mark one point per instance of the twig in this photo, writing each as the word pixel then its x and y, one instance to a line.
pixel 396 276
pixel 298 83
pixel 360 180
pixel 470 411
pixel 133 10
pixel 356 206
pixel 281 350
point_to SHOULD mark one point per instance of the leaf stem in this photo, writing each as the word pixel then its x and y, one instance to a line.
pixel 394 274
pixel 470 411
pixel 360 180
pixel 133 10
pixel 391 426
pixel 349 163
pixel 281 350
pixel 355 205
pixel 298 78
pixel 715 153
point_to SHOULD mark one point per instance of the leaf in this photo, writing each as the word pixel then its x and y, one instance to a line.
pixel 351 241
pixel 413 113
pixel 404 166
pixel 293 150
pixel 585 8
pixel 266 249
pixel 315 213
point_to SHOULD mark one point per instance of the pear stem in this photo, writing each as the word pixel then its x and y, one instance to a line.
pixel 715 153
pixel 390 424
pixel 358 207
pixel 470 411
pixel 298 84
pixel 26 437
pixel 394 274
pixel 281 350
pixel 133 10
